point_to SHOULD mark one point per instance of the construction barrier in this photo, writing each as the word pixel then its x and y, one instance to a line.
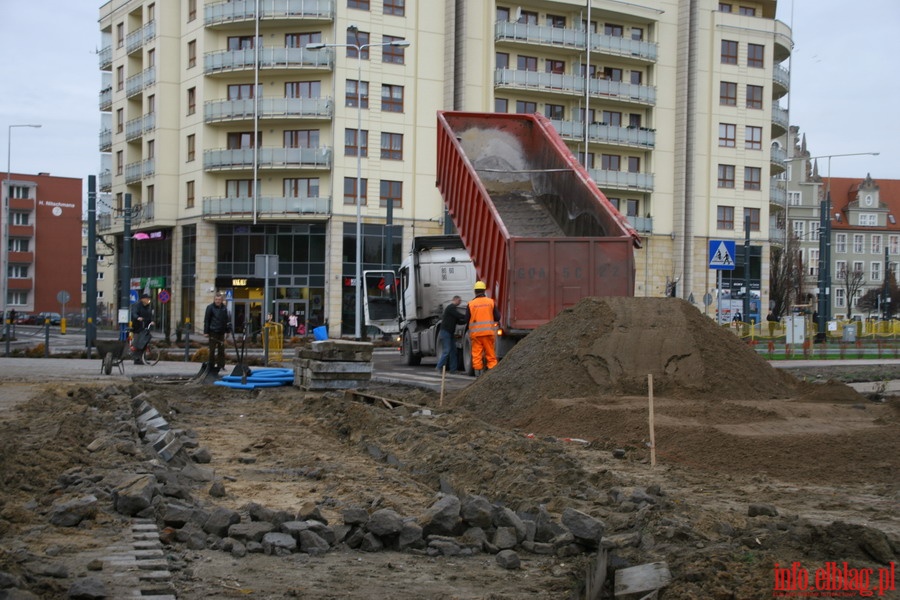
pixel 275 341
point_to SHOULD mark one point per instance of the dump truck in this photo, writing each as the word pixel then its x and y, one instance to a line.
pixel 533 226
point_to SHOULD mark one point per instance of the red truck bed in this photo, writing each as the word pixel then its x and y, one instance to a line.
pixel 541 235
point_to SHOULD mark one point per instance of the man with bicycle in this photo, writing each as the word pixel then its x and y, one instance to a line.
pixel 142 318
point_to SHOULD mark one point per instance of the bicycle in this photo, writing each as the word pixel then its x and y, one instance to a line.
pixel 150 353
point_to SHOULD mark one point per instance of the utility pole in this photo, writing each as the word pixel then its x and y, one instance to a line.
pixel 90 333
pixel 886 291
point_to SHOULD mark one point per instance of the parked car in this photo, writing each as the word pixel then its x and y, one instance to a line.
pixel 75 319
pixel 26 319
pixel 54 317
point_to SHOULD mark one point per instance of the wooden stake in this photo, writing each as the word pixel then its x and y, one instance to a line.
pixel 443 376
pixel 652 427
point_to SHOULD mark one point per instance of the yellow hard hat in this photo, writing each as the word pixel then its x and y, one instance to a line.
pixel 479 285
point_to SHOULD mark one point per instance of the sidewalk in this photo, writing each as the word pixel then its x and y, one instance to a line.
pixel 82 369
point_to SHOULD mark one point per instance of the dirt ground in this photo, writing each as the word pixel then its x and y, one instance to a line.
pixel 541 429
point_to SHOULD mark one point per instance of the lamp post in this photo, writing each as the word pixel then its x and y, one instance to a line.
pixel 823 303
pixel 359 48
pixel 5 253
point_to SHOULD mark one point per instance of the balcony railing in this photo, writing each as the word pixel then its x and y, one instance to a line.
pixel 570 84
pixel 136 83
pixel 135 128
pixel 106 99
pixel 269 58
pixel 780 117
pixel 104 181
pixel 778 193
pixel 782 77
pixel 245 10
pixel 575 38
pixel 641 224
pixel 607 134
pixel 105 58
pixel 622 180
pixel 136 171
pixel 265 206
pixel 104 221
pixel 242 158
pixel 106 140
pixel 142 213
pixel 135 40
pixel 777 233
pixel 269 108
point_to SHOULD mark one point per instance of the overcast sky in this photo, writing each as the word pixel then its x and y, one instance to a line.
pixel 844 83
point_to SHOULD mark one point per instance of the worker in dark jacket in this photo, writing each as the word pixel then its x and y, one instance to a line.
pixel 482 315
pixel 449 320
pixel 216 323
pixel 141 319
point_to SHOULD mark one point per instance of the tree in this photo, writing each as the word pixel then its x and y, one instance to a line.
pixel 785 276
pixel 852 280
pixel 872 300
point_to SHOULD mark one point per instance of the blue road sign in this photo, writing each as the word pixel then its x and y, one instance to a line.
pixel 133 296
pixel 721 255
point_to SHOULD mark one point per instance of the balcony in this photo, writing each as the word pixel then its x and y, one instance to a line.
pixel 781 79
pixel 241 11
pixel 621 180
pixel 269 58
pixel 104 181
pixel 136 171
pixel 104 222
pixel 137 83
pixel 135 40
pixel 21 231
pixel 575 39
pixel 280 207
pixel 216 111
pixel 142 213
pixel 641 224
pixel 572 85
pixel 777 160
pixel 106 140
pixel 271 158
pixel 777 233
pixel 23 204
pixel 20 283
pixel 105 58
pixel 784 41
pixel 780 121
pixel 21 258
pixel 778 193
pixel 106 99
pixel 637 137
pixel 135 128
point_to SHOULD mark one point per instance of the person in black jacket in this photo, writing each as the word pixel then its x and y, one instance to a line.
pixel 449 320
pixel 141 319
pixel 216 323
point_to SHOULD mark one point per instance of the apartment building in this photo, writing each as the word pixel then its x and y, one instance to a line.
pixel 235 136
pixel 43 243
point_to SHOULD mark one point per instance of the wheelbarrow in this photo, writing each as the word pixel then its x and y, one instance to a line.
pixel 112 353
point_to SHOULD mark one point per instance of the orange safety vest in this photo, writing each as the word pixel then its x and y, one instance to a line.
pixel 482 321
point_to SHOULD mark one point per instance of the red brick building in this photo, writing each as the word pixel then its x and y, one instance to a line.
pixel 44 242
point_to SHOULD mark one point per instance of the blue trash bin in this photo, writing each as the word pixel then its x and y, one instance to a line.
pixel 320 333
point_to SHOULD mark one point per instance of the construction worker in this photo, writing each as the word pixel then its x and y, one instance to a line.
pixel 482 316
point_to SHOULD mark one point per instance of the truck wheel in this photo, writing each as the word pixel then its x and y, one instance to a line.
pixel 410 359
pixel 467 356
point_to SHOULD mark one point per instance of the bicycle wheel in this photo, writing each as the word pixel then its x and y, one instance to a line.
pixel 150 355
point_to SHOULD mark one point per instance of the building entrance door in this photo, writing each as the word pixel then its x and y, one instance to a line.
pixel 289 307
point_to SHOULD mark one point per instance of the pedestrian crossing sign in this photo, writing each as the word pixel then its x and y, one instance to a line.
pixel 721 254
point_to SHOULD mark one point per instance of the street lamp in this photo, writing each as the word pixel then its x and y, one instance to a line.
pixel 5 252
pixel 824 297
pixel 359 48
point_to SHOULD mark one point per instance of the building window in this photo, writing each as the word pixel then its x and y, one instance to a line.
pixel 752 178
pixel 868 220
pixel 612 74
pixel 358 38
pixel 726 176
pixel 612 118
pixel 526 63
pixel 814 231
pixel 613 30
pixel 191 10
pixel 557 67
pixel 840 297
pixel 729 52
pixel 391 191
pixel 858 243
pixel 120 162
pixel 637 34
pixel 501 60
pixel 724 7
pixel 556 21
pixel 191 101
pixel 501 105
pixel 503 15
pixel 120 35
pixel 20 218
pixel 395 7
pixel 637 78
pixel 727 93
pixel 391 98
pixel 591 115
pixel 301 138
pixel 192 54
pixel 526 108
pixel 725 217
pixel 555 111
pixel 392 146
pixel 795 198
pixel 634 164
pixel 301 187
pixel 590 160
pixel 151 149
pixel 151 104
pixel 634 120
pixel 813 264
pixel 616 202
pixel 356 94
pixel 756 56
pixel 120 78
pixel 300 40
pixel 350 191
pixel 393 54
pixel 191 148
pixel 727 135
pixel 755 96
pixel 358 4
pixel 751 215
pixel 876 244
pixel 610 162
pixel 120 120
pixel 189 195
pixel 799 229
pixel 356 142
pixel 747 11
pixel 239 140
pixel 303 89
pixel 240 91
pixel 875 271
pixel 240 42
pixel 753 137
pixel 528 17
pixel 239 188
pixel 840 243
pixel 894 244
